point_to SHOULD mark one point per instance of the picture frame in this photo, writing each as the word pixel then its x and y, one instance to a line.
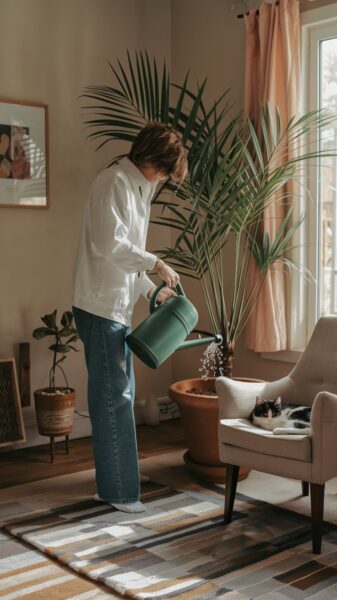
pixel 12 429
pixel 23 154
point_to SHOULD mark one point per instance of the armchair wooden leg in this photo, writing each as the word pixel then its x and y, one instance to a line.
pixel 317 507
pixel 232 473
pixel 305 488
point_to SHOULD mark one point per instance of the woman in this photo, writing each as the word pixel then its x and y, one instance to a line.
pixel 110 275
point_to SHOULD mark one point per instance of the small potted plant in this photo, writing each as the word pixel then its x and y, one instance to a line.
pixel 55 405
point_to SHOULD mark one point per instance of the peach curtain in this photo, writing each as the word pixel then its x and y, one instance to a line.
pixel 272 76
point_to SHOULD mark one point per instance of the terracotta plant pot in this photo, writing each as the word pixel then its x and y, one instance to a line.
pixel 54 413
pixel 200 415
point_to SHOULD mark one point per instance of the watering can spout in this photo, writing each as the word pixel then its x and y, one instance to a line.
pixel 201 341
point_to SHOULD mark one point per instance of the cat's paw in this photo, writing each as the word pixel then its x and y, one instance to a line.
pixel 291 431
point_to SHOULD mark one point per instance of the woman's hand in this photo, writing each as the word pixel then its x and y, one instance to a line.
pixel 166 273
pixel 164 293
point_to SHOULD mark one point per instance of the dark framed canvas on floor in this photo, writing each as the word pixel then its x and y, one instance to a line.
pixel 12 428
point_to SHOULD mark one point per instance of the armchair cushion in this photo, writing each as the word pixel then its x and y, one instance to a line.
pixel 237 398
pixel 243 434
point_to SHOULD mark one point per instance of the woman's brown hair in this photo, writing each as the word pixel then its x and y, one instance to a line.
pixel 160 146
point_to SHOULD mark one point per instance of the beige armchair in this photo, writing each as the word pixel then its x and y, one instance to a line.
pixel 309 458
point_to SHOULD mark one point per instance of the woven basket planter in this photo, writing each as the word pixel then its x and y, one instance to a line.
pixel 54 413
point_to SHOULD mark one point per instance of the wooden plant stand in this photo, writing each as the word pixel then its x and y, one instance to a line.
pixel 52 448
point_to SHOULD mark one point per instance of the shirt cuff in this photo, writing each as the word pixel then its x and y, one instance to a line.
pixel 147 285
pixel 150 261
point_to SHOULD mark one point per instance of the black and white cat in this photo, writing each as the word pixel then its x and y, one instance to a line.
pixel 281 419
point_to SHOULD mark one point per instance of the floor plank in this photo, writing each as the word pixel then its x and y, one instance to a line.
pixel 32 464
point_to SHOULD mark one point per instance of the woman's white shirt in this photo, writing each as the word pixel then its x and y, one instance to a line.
pixel 111 265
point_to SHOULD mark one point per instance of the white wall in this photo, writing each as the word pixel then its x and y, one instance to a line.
pixel 51 50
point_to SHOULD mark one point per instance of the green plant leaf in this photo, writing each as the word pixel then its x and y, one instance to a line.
pixel 67 318
pixel 66 331
pixel 73 348
pixel 41 332
pixel 50 320
pixel 59 348
pixel 73 338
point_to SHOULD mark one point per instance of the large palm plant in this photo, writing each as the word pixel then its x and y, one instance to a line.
pixel 234 173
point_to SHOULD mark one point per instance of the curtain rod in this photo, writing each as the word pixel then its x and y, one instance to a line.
pixel 247 13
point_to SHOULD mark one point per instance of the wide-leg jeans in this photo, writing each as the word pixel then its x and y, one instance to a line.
pixel 110 402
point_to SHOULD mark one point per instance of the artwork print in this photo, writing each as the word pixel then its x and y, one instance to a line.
pixel 23 154
pixel 14 152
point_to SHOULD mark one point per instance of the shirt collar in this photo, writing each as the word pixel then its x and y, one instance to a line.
pixel 135 173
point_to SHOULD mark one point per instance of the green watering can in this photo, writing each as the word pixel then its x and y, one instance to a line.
pixel 165 329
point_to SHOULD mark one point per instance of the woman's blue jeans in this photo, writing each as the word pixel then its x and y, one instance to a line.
pixel 110 402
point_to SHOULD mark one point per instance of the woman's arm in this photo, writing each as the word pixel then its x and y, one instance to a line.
pixel 110 228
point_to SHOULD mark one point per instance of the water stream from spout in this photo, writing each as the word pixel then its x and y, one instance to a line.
pixel 211 362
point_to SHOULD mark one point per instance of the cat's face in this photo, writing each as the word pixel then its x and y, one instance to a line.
pixel 268 409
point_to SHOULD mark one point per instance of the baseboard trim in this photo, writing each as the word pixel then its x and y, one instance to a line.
pixel 81 428
pixel 168 409
pixel 82 425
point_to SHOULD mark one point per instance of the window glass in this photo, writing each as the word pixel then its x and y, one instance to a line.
pixel 327 224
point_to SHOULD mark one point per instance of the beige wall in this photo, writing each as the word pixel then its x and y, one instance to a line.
pixel 51 49
pixel 306 5
pixel 209 40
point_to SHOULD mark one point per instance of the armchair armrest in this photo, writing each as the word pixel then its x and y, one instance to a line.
pixel 324 437
pixel 324 409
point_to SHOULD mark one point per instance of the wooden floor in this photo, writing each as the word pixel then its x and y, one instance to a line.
pixel 33 464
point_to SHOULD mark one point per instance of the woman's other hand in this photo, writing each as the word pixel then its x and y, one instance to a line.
pixel 163 295
pixel 166 273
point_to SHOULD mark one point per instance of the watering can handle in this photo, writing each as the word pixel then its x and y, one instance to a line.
pixel 153 303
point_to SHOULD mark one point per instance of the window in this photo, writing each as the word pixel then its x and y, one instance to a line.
pixel 321 91
pixel 320 235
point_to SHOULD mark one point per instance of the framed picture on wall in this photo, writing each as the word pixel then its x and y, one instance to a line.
pixel 23 154
pixel 11 422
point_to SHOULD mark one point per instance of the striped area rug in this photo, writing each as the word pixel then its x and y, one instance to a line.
pixel 179 548
pixel 27 574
